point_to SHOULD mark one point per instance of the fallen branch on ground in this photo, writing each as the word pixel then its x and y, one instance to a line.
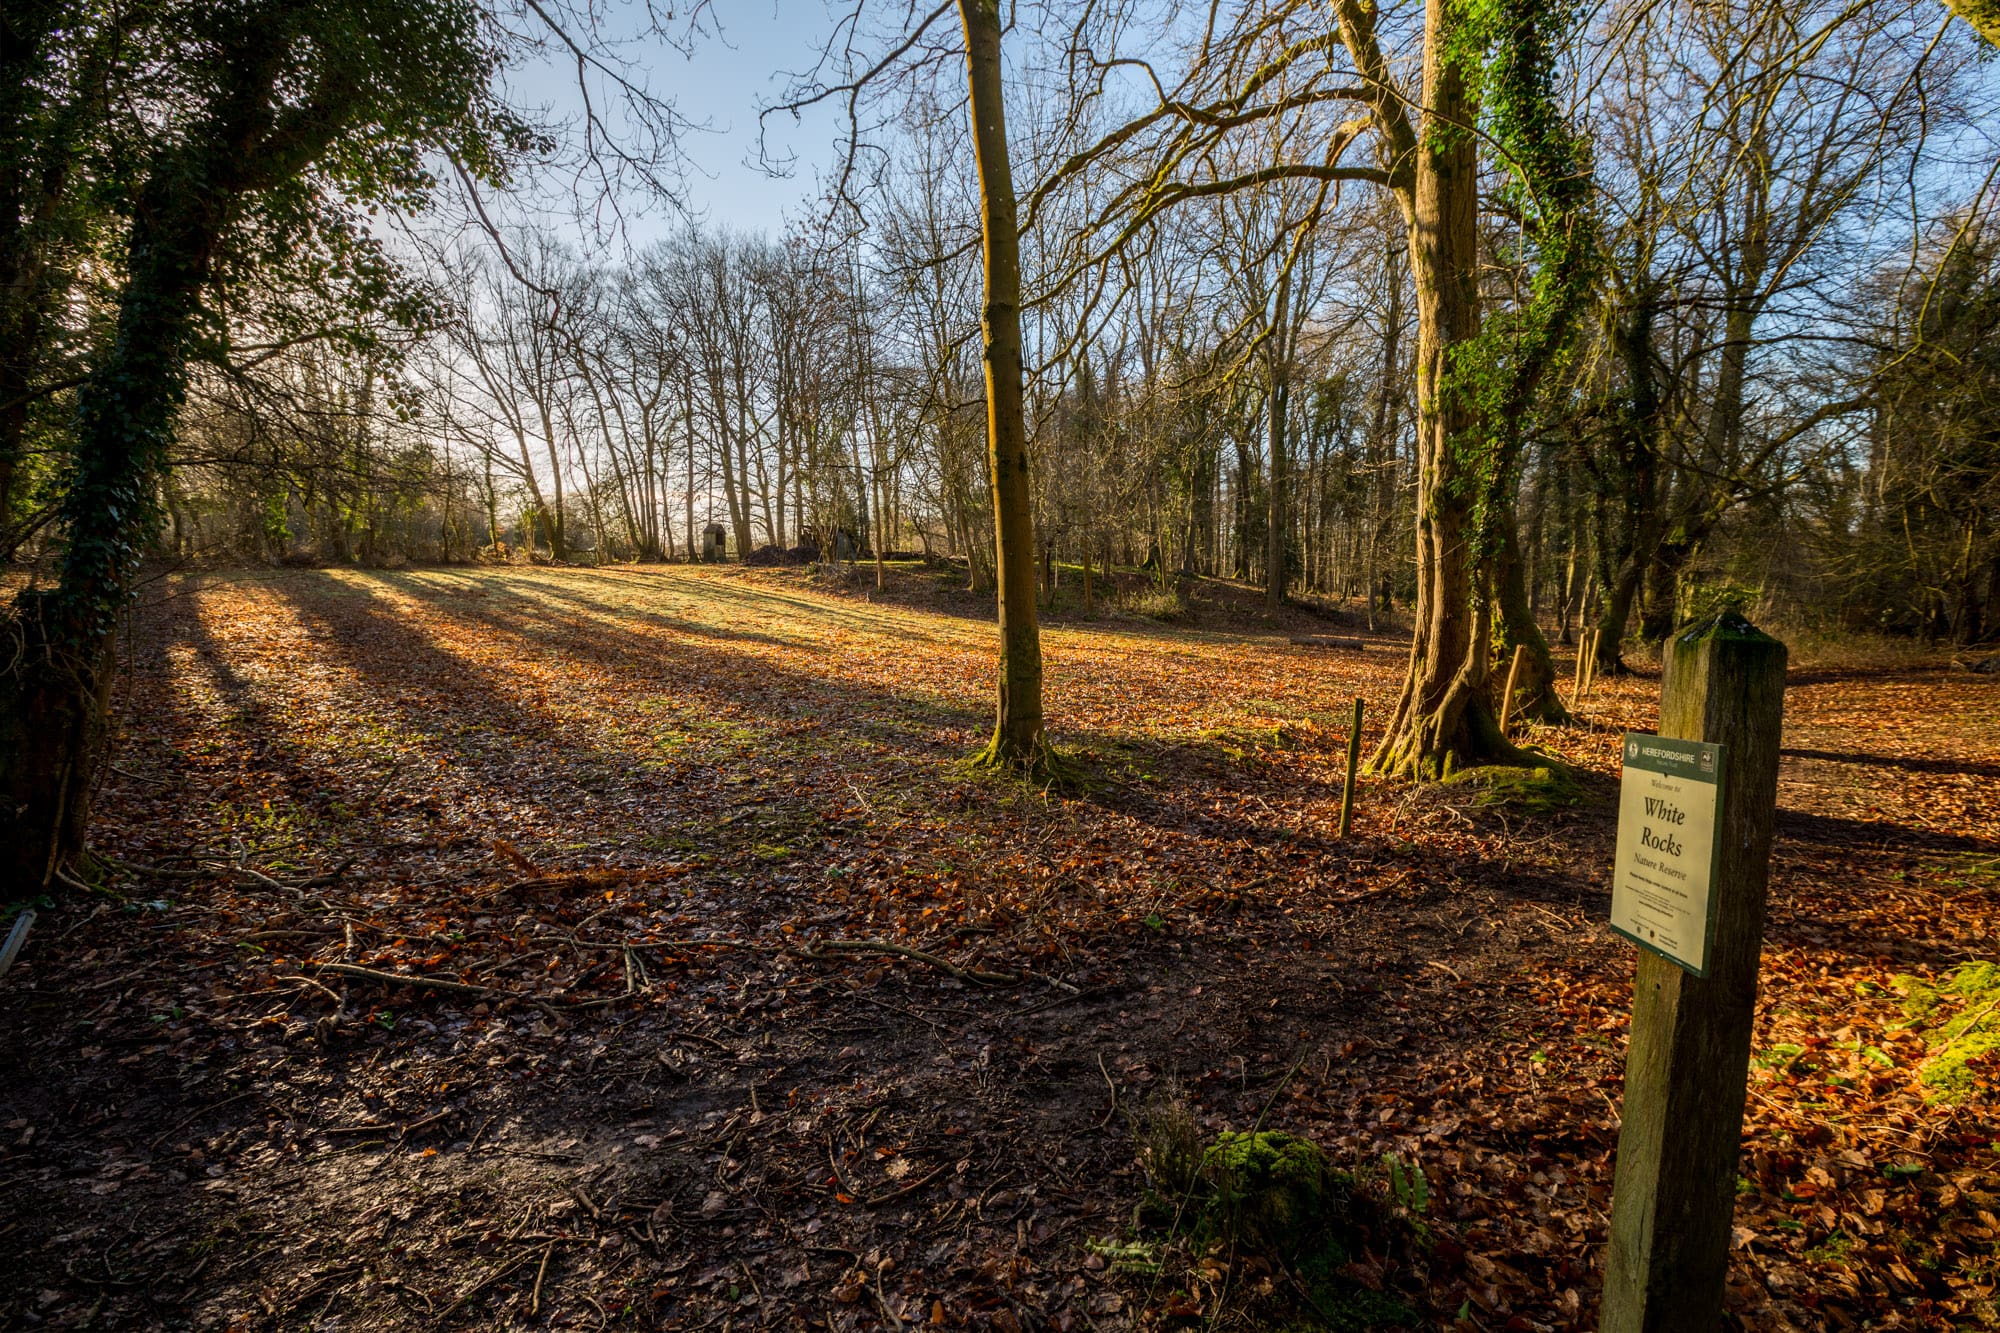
pixel 206 864
pixel 404 979
pixel 819 948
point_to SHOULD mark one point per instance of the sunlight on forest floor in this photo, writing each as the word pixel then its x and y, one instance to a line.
pixel 635 815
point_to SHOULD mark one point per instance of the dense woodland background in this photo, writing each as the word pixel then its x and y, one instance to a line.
pixel 1785 394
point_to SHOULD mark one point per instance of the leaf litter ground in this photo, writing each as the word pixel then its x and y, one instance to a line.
pixel 630 948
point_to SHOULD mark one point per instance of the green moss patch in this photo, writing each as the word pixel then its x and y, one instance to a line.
pixel 1959 1016
pixel 1272 1192
pixel 1264 1203
pixel 1541 790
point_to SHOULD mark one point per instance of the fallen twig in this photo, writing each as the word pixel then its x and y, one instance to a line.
pixel 492 1276
pixel 206 864
pixel 818 948
pixel 839 1176
pixel 16 937
pixel 910 1188
pixel 541 1271
pixel 405 979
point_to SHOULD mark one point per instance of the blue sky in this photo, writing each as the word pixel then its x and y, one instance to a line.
pixel 721 85
pixel 725 82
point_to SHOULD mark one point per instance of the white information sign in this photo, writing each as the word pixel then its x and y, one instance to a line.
pixel 1662 885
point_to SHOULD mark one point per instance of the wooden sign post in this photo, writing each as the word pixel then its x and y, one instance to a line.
pixel 1586 649
pixel 1688 1063
pixel 1353 765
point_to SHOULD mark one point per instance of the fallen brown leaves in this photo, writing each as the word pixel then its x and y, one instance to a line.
pixel 630 947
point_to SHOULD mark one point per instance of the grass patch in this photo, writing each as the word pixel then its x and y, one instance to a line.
pixel 1969 871
pixel 1161 604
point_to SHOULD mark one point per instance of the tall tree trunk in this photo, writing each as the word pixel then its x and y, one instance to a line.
pixel 1535 690
pixel 492 504
pixel 1382 438
pixel 1017 726
pixel 1663 586
pixel 687 421
pixel 1240 504
pixel 53 700
pixel 550 534
pixel 1633 481
pixel 739 502
pixel 552 518
pixel 1444 719
pixel 1277 351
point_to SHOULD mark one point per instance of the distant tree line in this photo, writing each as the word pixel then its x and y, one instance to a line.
pixel 1505 319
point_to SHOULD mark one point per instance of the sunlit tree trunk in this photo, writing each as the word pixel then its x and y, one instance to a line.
pixel 1382 434
pixel 1535 690
pixel 1017 726
pixel 1444 718
pixel 1277 359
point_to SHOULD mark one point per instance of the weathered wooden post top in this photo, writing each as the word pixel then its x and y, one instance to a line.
pixel 714 542
pixel 1694 846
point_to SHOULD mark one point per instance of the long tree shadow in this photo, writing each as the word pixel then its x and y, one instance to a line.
pixel 534 602
pixel 254 725
pixel 708 675
pixel 1912 764
pixel 831 605
pixel 1873 675
pixel 662 1161
pixel 1838 831
pixel 443 706
pixel 760 599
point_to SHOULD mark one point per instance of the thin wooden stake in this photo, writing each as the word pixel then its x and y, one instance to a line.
pixel 1507 697
pixel 1353 763
pixel 1687 1067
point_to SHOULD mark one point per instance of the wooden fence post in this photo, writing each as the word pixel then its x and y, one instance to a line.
pixel 1513 682
pixel 1353 763
pixel 1688 1062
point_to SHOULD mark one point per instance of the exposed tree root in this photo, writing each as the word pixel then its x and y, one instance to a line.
pixel 1041 765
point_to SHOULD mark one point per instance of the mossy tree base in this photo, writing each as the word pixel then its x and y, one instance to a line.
pixel 1431 744
pixel 1541 789
pixel 1273 1193
pixel 1035 761
pixel 1535 697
